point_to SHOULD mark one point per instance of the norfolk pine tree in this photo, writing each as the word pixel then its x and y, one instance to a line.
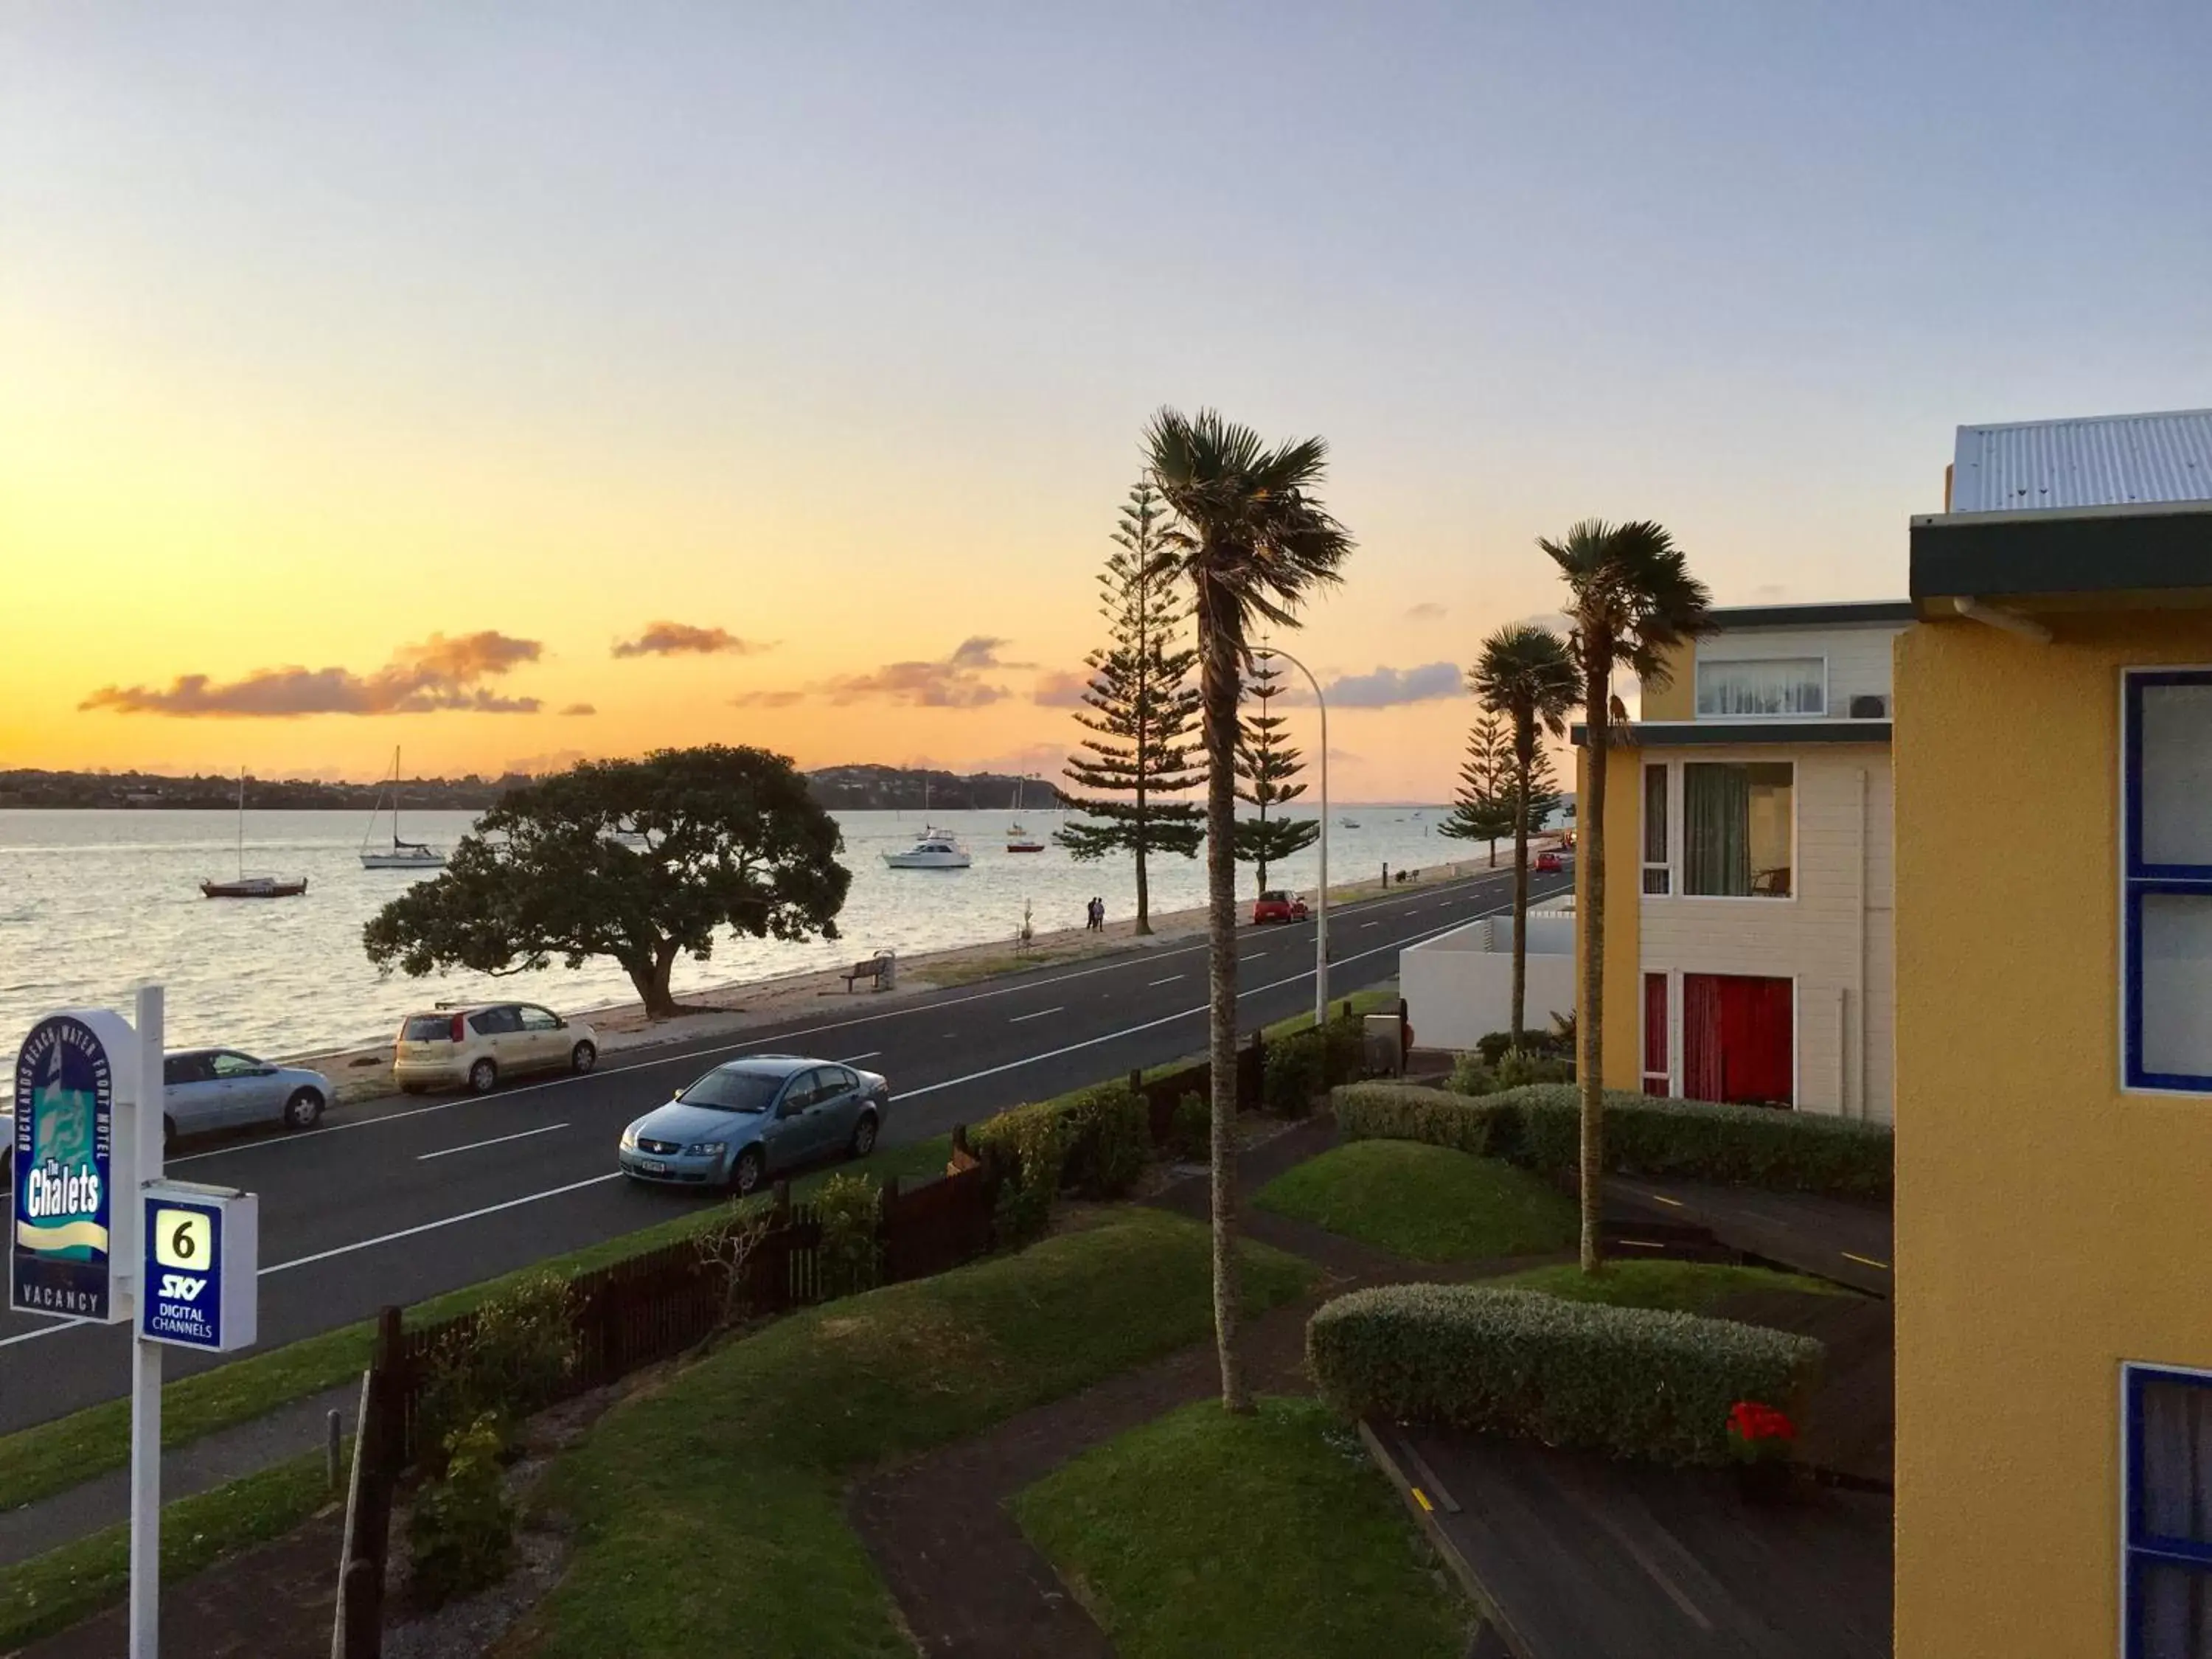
pixel 1483 809
pixel 1266 766
pixel 1143 708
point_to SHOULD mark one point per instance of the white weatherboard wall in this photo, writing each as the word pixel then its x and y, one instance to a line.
pixel 1458 986
pixel 1857 657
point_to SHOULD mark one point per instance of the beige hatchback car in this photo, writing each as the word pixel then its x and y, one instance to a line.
pixel 478 1045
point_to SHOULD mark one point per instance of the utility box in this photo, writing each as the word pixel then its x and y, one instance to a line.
pixel 202 1266
pixel 1382 1050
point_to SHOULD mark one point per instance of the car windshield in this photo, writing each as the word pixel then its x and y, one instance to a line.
pixel 733 1091
pixel 428 1028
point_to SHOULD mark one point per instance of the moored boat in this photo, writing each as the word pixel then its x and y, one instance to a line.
pixel 403 854
pixel 933 849
pixel 245 886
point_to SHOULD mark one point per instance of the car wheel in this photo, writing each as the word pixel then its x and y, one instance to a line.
pixel 304 1111
pixel 745 1174
pixel 483 1076
pixel 864 1135
pixel 582 1057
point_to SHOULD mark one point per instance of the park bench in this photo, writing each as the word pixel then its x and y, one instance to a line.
pixel 878 969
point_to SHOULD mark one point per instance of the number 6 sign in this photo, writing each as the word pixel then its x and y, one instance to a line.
pixel 202 1250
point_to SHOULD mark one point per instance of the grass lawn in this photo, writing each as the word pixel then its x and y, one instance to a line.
pixel 1681 1286
pixel 52 1591
pixel 1424 1203
pixel 709 1513
pixel 59 1455
pixel 1202 1535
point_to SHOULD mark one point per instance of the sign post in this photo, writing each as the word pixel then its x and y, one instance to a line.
pixel 145 1357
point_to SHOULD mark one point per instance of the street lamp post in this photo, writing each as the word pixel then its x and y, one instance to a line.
pixel 1321 911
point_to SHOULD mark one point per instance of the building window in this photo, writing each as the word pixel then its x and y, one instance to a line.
pixel 2168 1499
pixel 1658 876
pixel 2168 853
pixel 1771 686
pixel 1736 830
pixel 1657 1080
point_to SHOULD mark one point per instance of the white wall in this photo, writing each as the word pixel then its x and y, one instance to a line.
pixel 1458 987
pixel 1858 657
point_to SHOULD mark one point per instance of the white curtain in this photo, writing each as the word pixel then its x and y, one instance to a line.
pixel 1775 685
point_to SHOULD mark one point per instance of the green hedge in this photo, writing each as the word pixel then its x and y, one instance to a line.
pixel 1628 1382
pixel 1540 1127
pixel 1101 1138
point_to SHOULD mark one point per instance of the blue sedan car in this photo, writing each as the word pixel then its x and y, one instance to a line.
pixel 753 1119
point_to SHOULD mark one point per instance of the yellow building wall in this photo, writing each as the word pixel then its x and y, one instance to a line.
pixel 2048 1226
pixel 1677 700
pixel 1623 884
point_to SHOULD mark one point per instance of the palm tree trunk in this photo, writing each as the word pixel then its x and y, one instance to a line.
pixel 1589 908
pixel 1219 680
pixel 1524 756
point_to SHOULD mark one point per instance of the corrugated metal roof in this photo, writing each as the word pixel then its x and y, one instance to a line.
pixel 2110 460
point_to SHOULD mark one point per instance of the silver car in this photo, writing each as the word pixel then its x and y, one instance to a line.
pixel 222 1089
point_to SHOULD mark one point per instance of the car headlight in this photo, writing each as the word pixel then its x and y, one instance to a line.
pixel 708 1148
pixel 630 1138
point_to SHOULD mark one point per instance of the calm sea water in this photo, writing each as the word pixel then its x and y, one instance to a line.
pixel 94 903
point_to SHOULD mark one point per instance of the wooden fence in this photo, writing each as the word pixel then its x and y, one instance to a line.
pixel 636 1312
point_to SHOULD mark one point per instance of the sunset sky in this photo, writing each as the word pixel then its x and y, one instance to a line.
pixel 518 383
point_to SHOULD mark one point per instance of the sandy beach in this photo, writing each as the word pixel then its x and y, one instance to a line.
pixel 364 1072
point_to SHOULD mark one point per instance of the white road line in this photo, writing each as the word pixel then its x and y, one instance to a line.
pixel 855 1059
pixel 496 1140
pixel 1169 980
pixel 1370 924
pixel 42 1330
pixel 1017 1019
pixel 433 1226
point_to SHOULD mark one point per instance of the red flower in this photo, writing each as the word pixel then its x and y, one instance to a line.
pixel 1750 1420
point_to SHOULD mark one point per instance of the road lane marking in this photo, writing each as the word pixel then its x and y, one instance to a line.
pixel 44 1330
pixel 1169 980
pixel 1017 1019
pixel 496 1140
pixel 1866 1261
pixel 855 1059
pixel 433 1226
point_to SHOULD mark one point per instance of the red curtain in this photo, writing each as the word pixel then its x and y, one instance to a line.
pixel 1737 1034
pixel 1654 1031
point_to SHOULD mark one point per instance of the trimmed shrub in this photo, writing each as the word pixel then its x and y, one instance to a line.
pixel 1520 1069
pixel 461 1532
pixel 1471 1075
pixel 1402 1111
pixel 1628 1382
pixel 1029 1145
pixel 851 1252
pixel 1345 1042
pixel 1110 1137
pixel 1190 1135
pixel 1296 1070
pixel 1540 1127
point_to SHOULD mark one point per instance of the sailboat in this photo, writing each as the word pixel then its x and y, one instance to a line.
pixel 1019 840
pixel 405 855
pixel 250 886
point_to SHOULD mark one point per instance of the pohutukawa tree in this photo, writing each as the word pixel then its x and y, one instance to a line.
pixel 1142 707
pixel 1252 543
pixel 1526 678
pixel 1483 809
pixel 1631 603
pixel 1266 769
pixel 731 839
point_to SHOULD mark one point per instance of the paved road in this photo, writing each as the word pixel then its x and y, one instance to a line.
pixel 401 1199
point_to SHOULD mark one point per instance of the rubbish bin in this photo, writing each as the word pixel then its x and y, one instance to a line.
pixel 1381 1051
pixel 890 979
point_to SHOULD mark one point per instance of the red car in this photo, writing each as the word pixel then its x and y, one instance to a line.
pixel 1276 905
pixel 1547 864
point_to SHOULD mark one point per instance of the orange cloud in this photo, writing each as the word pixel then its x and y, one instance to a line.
pixel 580 708
pixel 438 673
pixel 671 639
pixel 954 682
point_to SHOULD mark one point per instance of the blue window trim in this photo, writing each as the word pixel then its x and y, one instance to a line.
pixel 2138 1544
pixel 2142 878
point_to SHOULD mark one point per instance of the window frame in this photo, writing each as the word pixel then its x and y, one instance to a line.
pixel 1663 867
pixel 2135 1376
pixel 2139 880
pixel 1682 844
pixel 1698 689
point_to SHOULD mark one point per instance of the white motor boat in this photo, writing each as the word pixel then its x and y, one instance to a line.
pixel 933 849
pixel 403 854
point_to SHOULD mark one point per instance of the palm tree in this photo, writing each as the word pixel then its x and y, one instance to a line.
pixel 1526 675
pixel 1253 543
pixel 1633 602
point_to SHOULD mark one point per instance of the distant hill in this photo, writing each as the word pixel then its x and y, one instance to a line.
pixel 854 789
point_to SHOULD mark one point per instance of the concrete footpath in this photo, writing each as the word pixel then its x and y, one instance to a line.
pixel 63 1517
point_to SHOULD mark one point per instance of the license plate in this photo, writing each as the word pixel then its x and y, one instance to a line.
pixel 652 1166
